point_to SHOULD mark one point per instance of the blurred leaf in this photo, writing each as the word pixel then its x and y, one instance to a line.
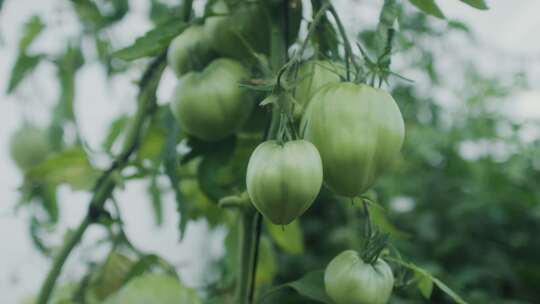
pixel 153 42
pixel 32 28
pixel 110 276
pixel 479 4
pixel 160 11
pixel 157 204
pixel 289 238
pixel 67 167
pixel 22 67
pixel 170 162
pixel 378 216
pixel 117 127
pixel 312 286
pixel 152 144
pixel 67 65
pixel 96 15
pixel 215 176
pixel 428 7
pixel 267 265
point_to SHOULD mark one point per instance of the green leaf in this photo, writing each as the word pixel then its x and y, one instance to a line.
pixel 215 175
pixel 479 4
pixel 153 42
pixel 67 66
pixel 32 28
pixel 424 283
pixel 67 167
pixel 311 286
pixel 170 162
pixel 157 204
pixel 378 216
pixel 428 7
pixel 153 143
pixel 267 264
pixel 23 66
pixel 448 291
pixel 116 128
pixel 289 238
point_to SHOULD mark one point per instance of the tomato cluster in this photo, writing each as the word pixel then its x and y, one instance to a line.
pixel 349 133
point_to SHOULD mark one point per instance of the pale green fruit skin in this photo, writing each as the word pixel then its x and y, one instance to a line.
pixel 189 51
pixel 348 280
pixel 29 146
pixel 313 75
pixel 358 131
pixel 154 288
pixel 211 105
pixel 283 180
pixel 228 34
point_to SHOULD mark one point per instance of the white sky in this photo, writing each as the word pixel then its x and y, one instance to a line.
pixel 509 28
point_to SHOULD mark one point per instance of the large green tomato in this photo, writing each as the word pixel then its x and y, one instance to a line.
pixel 154 288
pixel 349 280
pixel 359 132
pixel 283 179
pixel 29 146
pixel 189 51
pixel 211 104
pixel 313 75
pixel 235 30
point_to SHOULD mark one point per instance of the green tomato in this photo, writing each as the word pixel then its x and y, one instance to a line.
pixel 29 146
pixel 283 179
pixel 236 30
pixel 349 280
pixel 189 51
pixel 154 288
pixel 211 105
pixel 313 75
pixel 359 132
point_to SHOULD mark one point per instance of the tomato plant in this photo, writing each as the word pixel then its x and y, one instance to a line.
pixel 278 129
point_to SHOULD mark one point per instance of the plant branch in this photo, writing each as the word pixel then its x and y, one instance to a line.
pixel 346 43
pixel 106 183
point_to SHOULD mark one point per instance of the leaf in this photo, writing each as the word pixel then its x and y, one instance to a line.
pixel 153 143
pixel 67 66
pixel 170 162
pixel 22 67
pixel 479 4
pixel 378 216
pixel 32 28
pixel 115 130
pixel 424 283
pixel 67 167
pixel 428 7
pixel 267 264
pixel 215 175
pixel 420 272
pixel 153 42
pixel 157 204
pixel 289 238
pixel 311 286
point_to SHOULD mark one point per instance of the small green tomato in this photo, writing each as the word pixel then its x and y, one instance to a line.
pixel 283 179
pixel 349 280
pixel 29 146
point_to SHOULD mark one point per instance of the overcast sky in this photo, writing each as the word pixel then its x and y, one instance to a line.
pixel 509 30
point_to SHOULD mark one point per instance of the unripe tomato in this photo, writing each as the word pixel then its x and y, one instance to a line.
pixel 359 132
pixel 234 27
pixel 29 146
pixel 154 288
pixel 283 179
pixel 349 280
pixel 312 75
pixel 211 105
pixel 189 51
